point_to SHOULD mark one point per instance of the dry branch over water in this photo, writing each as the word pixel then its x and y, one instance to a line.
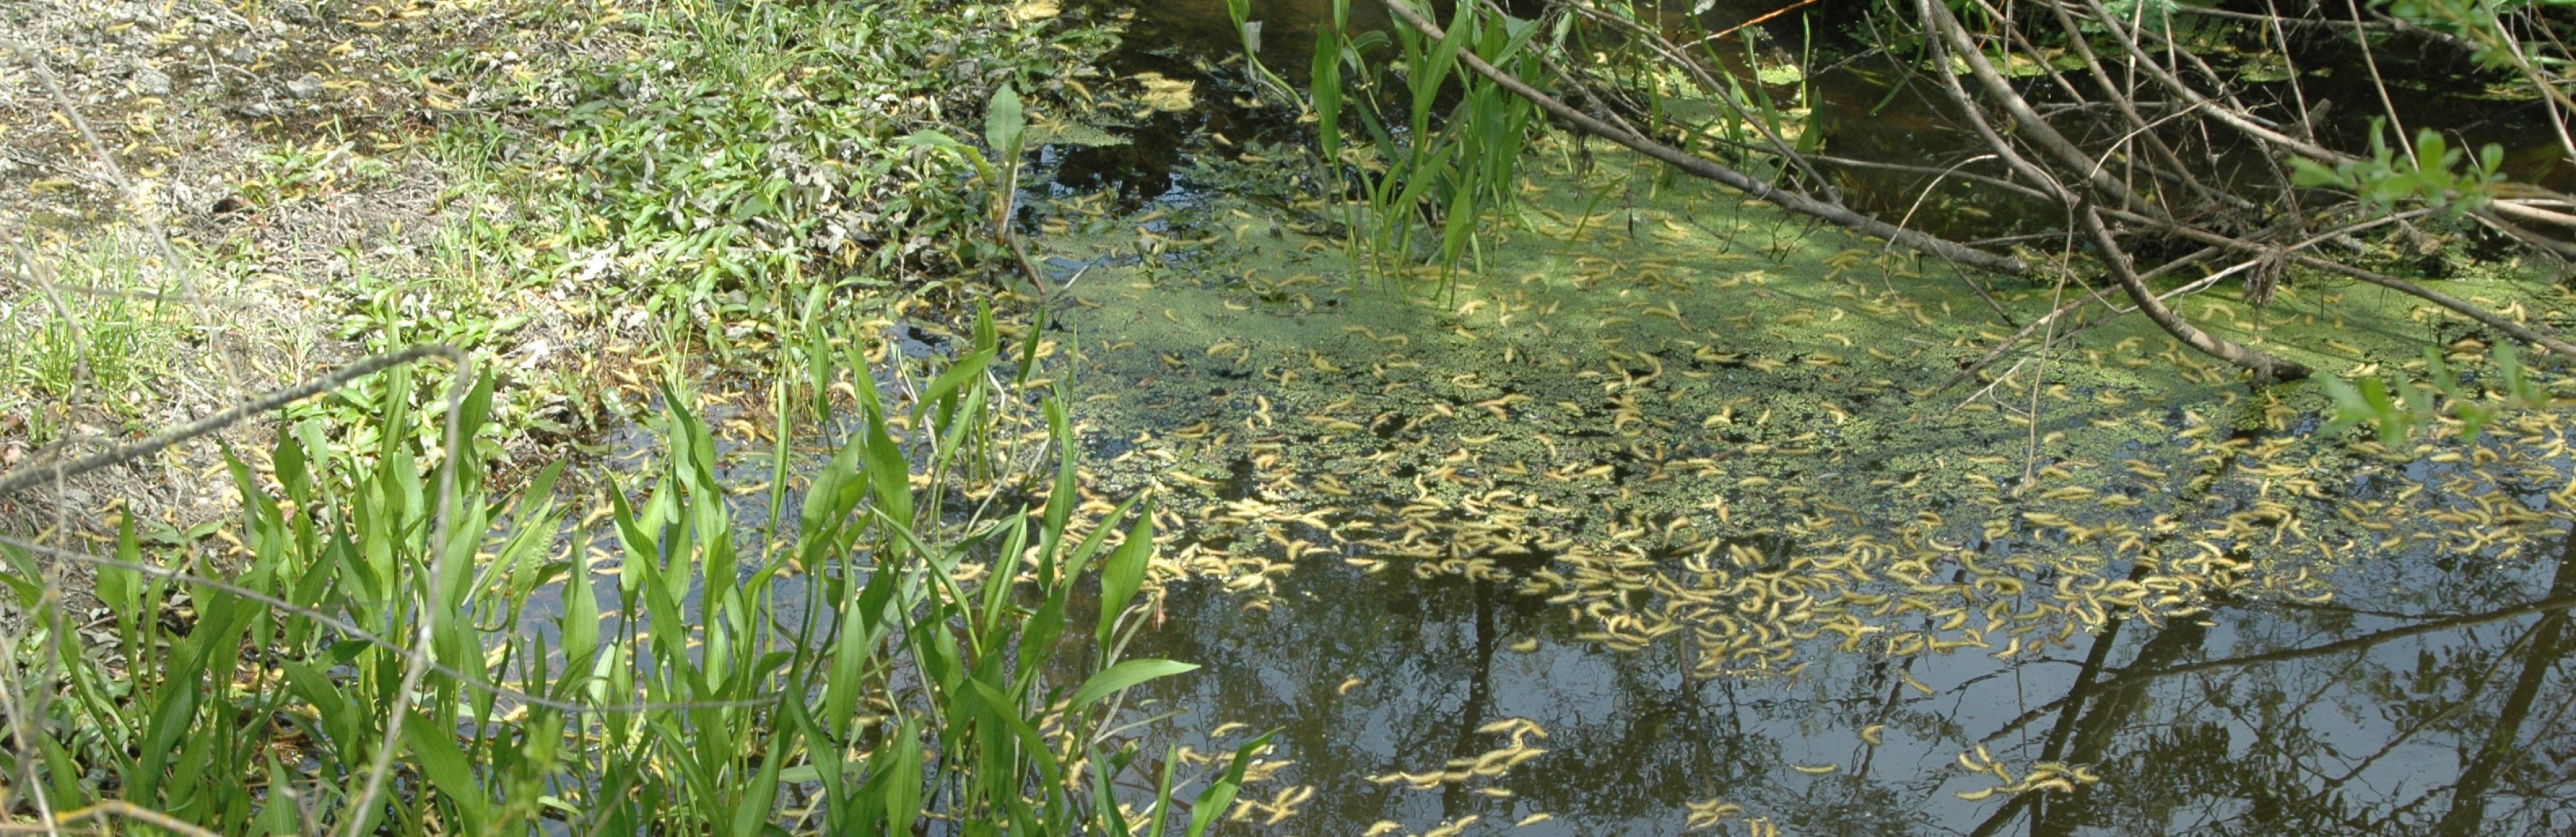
pixel 2121 180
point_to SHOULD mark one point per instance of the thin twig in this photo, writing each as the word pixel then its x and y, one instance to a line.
pixel 20 479
pixel 1757 20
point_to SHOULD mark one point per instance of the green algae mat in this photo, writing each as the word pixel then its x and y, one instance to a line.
pixel 1668 446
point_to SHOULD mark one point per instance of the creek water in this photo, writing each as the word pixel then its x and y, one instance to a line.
pixel 1566 504
pixel 1667 521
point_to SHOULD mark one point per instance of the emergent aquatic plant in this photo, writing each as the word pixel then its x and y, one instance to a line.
pixel 2396 408
pixel 380 650
pixel 1420 174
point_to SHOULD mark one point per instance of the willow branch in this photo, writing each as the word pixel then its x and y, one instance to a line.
pixel 2518 331
pixel 23 478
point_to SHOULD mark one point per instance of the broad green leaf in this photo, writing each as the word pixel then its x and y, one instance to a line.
pixel 1104 803
pixel 445 765
pixel 751 809
pixel 965 369
pixel 889 473
pixel 580 625
pixel 1163 794
pixel 1125 675
pixel 1005 124
pixel 278 815
pixel 1125 574
pixel 903 779
pixel 1324 83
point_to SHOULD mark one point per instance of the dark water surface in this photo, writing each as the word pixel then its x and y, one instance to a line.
pixel 2349 718
pixel 2430 696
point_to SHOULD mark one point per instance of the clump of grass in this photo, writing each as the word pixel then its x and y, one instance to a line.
pixel 375 655
pixel 87 329
pixel 671 184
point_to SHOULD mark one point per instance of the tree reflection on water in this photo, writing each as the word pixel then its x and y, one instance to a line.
pixel 2428 700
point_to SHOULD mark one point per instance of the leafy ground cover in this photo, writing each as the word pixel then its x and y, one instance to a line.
pixel 592 194
pixel 420 606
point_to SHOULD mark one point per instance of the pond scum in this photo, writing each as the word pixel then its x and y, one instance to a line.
pixel 1677 418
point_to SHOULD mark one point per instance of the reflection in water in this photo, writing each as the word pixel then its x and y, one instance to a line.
pixel 2264 719
pixel 2431 697
pixel 1800 564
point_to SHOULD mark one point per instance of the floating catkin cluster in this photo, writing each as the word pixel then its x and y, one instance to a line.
pixel 1636 417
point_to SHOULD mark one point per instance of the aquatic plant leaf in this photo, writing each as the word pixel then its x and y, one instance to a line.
pixel 947 383
pixel 445 766
pixel 902 775
pixel 1061 498
pixel 933 139
pixel 751 810
pixel 1219 796
pixel 277 816
pixel 1123 676
pixel 1033 745
pixel 580 622
pixel 835 492
pixel 889 473
pixel 121 588
pixel 1104 803
pixel 1005 124
pixel 1163 794
pixel 1124 574
pixel 1324 84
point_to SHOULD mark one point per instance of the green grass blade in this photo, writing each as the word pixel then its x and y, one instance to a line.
pixel 1212 802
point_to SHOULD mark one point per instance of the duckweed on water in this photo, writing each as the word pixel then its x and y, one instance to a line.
pixel 1681 422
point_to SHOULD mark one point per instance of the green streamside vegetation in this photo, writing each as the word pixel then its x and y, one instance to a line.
pixel 393 646
pixel 430 607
